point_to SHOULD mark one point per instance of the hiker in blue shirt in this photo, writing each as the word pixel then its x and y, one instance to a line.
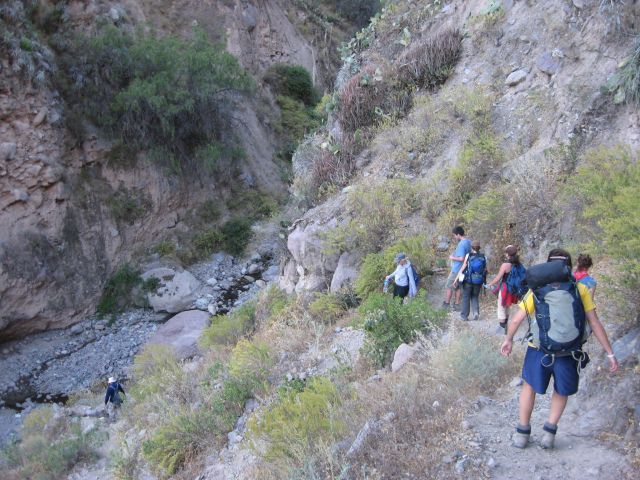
pixel 462 250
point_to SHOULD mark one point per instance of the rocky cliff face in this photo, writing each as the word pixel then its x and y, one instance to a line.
pixel 541 68
pixel 59 239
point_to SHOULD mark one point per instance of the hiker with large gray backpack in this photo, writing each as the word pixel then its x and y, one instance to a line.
pixel 561 314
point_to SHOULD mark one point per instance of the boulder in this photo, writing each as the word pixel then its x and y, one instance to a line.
pixel 271 273
pixel 181 332
pixel 548 64
pixel 176 290
pixel 627 346
pixel 40 117
pixel 8 151
pixel 346 271
pixel 289 277
pixel 253 269
pixel 516 77
pixel 403 354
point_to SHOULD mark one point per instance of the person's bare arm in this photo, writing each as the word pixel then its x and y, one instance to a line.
pixel 499 275
pixel 601 335
pixel 513 325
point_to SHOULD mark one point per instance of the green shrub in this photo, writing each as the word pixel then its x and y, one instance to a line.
pixel 388 323
pixel 165 248
pixel 209 211
pixel 608 187
pixel 292 81
pixel 327 307
pixel 625 83
pixel 117 292
pixel 253 203
pixel 250 363
pixel 378 211
pixel 376 266
pixel 299 421
pixel 296 120
pixel 271 301
pixel 237 234
pixel 166 95
pixel 157 371
pixel 128 206
pixel 208 242
pixel 228 329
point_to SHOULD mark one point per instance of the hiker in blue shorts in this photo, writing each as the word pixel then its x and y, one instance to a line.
pixel 540 363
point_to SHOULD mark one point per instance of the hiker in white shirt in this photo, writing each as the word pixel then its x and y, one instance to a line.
pixel 404 283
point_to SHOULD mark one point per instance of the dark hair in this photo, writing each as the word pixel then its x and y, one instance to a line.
pixel 458 230
pixel 584 261
pixel 560 254
pixel 512 254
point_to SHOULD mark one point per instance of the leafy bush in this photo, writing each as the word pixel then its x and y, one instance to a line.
pixel 249 364
pixel 296 120
pixel 377 212
pixel 429 63
pixel 237 234
pixel 625 83
pixel 165 248
pixel 271 301
pixel 298 422
pixel 327 307
pixel 208 242
pixel 157 372
pixel 293 81
pixel 128 206
pixel 166 95
pixel 228 329
pixel 209 211
pixel 388 323
pixel 117 292
pixel 608 187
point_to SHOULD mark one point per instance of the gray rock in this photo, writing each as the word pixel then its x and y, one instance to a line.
pixel 491 463
pixel 40 117
pixel 175 292
pixel 77 329
pixel 462 465
pixel 261 283
pixel 20 195
pixel 212 282
pixel 271 273
pixel 253 269
pixel 212 308
pixel 249 278
pixel 516 77
pixel 579 4
pixel 250 17
pixel 8 151
pixel 548 64
pixel 182 332
pixel 202 303
pixel 403 354
pixel 627 346
pixel 516 382
pixel 346 271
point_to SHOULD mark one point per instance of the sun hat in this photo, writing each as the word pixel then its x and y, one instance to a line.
pixel 399 257
pixel 111 379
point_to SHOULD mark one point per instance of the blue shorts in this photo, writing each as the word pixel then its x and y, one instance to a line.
pixel 564 371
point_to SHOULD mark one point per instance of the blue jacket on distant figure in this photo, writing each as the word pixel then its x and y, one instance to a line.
pixel 112 393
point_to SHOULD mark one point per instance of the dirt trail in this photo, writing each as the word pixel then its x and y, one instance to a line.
pixel 580 451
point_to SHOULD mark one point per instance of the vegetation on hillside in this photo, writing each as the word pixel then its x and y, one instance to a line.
pixel 169 96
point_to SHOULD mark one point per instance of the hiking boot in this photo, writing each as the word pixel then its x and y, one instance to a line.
pixel 475 318
pixel 456 307
pixel 548 435
pixel 445 305
pixel 521 437
pixel 503 325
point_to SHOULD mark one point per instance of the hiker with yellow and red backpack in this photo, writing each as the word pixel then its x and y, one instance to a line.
pixel 508 284
pixel 561 315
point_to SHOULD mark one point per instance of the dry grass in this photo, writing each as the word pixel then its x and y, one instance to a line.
pixel 429 62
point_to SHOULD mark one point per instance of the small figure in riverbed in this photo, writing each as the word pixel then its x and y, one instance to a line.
pixel 112 399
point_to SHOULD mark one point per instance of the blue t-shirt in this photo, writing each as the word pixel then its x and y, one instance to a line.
pixel 589 281
pixel 464 247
